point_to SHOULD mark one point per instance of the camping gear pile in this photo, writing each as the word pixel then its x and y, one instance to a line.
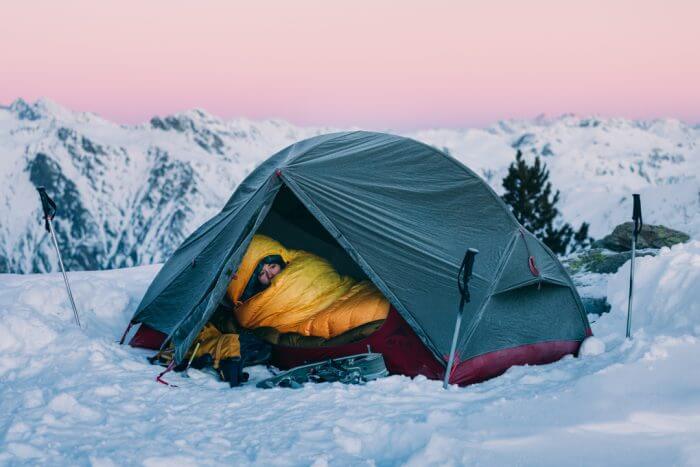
pixel 395 213
pixel 353 369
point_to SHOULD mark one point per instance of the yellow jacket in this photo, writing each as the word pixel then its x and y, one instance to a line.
pixel 308 297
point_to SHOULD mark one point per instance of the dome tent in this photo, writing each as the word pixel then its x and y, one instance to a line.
pixel 402 214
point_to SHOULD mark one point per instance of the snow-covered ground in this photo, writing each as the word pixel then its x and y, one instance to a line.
pixel 75 397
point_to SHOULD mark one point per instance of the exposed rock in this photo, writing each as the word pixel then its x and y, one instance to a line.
pixel 595 305
pixel 527 138
pixel 599 260
pixel 25 111
pixel 651 236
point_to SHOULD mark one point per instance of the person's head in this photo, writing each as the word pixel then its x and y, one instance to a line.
pixel 271 266
pixel 261 278
pixel 268 272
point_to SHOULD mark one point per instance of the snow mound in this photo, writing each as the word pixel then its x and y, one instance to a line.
pixel 72 396
pixel 666 294
pixel 591 347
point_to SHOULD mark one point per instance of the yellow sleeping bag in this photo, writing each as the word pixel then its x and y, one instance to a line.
pixel 307 297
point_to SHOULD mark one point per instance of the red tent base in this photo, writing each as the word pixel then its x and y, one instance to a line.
pixel 147 338
pixel 404 353
pixel 493 364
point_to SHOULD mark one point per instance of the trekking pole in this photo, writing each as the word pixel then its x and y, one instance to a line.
pixel 49 208
pixel 637 218
pixel 465 273
pixel 189 362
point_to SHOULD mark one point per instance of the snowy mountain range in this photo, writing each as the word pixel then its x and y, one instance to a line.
pixel 129 194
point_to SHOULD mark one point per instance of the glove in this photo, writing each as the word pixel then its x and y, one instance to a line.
pixel 231 370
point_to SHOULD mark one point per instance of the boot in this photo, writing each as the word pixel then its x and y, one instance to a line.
pixel 231 370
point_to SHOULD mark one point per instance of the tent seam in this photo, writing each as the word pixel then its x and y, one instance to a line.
pixel 570 283
pixel 140 309
pixel 501 269
pixel 214 283
pixel 187 264
pixel 262 185
pixel 504 206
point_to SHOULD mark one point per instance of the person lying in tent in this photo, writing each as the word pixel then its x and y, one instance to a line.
pixel 287 291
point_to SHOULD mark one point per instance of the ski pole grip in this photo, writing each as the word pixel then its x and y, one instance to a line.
pixel 465 273
pixel 469 262
pixel 48 205
pixel 637 213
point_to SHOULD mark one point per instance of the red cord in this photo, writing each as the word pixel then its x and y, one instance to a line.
pixel 159 377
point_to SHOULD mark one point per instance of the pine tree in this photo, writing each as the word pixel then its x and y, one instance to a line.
pixel 529 194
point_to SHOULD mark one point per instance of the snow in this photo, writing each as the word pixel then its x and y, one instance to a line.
pixel 134 198
pixel 591 347
pixel 666 290
pixel 72 396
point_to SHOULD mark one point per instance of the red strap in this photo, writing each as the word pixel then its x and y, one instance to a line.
pixel 531 259
pixel 533 269
pixel 455 364
pixel 159 377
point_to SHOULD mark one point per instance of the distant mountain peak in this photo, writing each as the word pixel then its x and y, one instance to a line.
pixel 129 194
pixel 24 110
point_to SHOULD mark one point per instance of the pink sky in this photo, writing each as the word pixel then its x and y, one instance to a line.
pixel 373 64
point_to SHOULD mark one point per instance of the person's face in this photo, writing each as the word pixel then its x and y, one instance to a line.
pixel 268 272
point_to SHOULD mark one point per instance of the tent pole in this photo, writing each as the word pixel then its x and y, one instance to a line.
pixel 465 273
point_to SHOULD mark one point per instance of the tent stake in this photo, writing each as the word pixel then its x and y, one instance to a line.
pixel 637 218
pixel 465 273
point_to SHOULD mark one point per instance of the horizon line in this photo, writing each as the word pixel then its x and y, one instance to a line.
pixel 540 117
